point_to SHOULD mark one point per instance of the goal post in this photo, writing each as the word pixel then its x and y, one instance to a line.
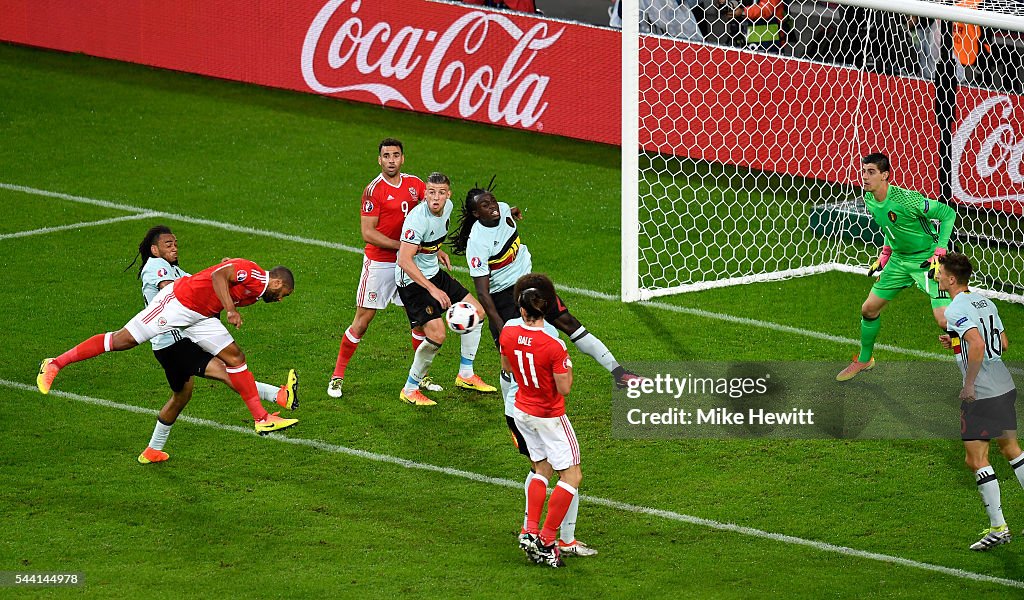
pixel 630 151
pixel 741 154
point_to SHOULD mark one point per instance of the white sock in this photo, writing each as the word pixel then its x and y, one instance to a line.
pixel 470 344
pixel 160 433
pixel 421 362
pixel 988 487
pixel 268 393
pixel 526 492
pixel 588 343
pixel 567 530
pixel 1018 468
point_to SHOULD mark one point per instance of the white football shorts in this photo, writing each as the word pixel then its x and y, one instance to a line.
pixel 549 438
pixel 377 286
pixel 165 313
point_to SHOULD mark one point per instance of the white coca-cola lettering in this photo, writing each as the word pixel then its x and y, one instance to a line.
pixel 512 94
pixel 1001 149
pixel 352 31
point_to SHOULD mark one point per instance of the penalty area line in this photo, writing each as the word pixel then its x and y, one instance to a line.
pixel 44 230
pixel 575 290
pixel 508 483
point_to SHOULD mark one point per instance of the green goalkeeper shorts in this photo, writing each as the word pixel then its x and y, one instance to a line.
pixel 902 272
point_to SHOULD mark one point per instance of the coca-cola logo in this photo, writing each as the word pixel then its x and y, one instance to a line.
pixel 451 65
pixel 999 154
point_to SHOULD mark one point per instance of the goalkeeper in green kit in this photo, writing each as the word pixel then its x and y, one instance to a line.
pixel 909 257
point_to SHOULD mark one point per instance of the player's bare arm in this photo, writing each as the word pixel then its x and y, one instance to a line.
pixel 221 279
pixel 975 355
pixel 483 294
pixel 368 227
pixel 516 213
pixel 443 258
pixel 406 252
pixel 563 382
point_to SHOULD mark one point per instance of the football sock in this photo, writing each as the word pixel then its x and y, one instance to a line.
pixel 421 362
pixel 94 346
pixel 567 530
pixel 470 344
pixel 417 339
pixel 267 392
pixel 559 503
pixel 868 332
pixel 526 493
pixel 988 487
pixel 245 384
pixel 589 344
pixel 349 344
pixel 535 495
pixel 1018 468
pixel 160 433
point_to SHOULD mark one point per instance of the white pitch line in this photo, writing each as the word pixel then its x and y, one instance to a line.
pixel 43 230
pixel 581 291
pixel 518 485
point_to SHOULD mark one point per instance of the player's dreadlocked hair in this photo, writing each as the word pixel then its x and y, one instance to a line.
pixel 152 236
pixel 535 293
pixel 460 238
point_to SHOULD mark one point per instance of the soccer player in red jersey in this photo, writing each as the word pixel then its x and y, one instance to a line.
pixel 194 303
pixel 181 357
pixel 542 369
pixel 386 202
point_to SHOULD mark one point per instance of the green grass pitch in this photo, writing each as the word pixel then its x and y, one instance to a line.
pixel 233 515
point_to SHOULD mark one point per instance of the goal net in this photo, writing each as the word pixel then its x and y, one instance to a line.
pixel 744 125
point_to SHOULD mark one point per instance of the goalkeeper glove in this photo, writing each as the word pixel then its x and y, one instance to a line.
pixel 879 263
pixel 932 264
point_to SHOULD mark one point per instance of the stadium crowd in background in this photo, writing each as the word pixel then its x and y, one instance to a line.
pixel 520 5
pixel 888 43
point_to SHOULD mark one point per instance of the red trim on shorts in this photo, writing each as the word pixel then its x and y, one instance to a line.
pixel 571 436
pixel 362 281
pixel 158 309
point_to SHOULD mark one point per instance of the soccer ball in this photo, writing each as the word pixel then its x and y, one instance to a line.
pixel 462 318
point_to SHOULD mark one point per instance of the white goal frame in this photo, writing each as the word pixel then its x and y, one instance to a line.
pixel 631 291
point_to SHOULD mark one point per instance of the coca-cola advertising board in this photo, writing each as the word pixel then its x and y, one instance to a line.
pixel 501 68
pixel 523 71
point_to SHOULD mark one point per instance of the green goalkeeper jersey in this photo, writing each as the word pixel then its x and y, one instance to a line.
pixel 905 218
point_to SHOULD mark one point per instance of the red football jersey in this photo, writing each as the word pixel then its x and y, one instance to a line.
pixel 535 357
pixel 390 204
pixel 196 291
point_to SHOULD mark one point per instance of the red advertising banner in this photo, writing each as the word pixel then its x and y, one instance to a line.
pixel 451 59
pixel 814 120
pixel 519 70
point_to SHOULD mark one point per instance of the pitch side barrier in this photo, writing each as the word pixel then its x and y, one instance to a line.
pixel 452 59
pixel 527 72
